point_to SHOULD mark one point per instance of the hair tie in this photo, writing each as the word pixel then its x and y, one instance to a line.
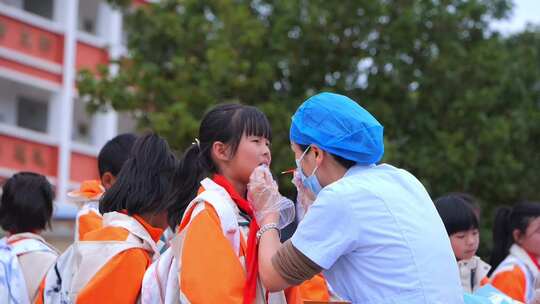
pixel 197 142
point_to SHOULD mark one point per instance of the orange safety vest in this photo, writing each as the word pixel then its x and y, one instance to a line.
pixel 516 275
pixel 107 265
pixel 120 279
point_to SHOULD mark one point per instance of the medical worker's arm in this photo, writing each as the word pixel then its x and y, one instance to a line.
pixel 269 244
pixel 279 266
pixel 282 265
pixel 265 199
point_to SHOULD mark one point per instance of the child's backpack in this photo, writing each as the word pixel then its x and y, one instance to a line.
pixel 65 279
pixel 12 282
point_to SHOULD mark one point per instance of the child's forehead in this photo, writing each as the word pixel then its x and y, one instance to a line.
pixel 472 229
pixel 534 224
pixel 245 135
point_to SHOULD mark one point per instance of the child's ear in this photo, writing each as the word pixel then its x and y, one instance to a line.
pixel 518 236
pixel 107 180
pixel 220 151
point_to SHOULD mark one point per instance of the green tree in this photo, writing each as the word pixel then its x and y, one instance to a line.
pixel 460 104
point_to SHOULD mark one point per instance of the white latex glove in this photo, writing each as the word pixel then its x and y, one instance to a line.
pixel 304 197
pixel 265 199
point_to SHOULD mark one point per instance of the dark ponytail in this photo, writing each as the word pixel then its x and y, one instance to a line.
pixel 507 220
pixel 192 168
pixel 224 123
pixel 144 179
pixel 502 236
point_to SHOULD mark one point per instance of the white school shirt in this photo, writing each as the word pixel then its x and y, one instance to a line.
pixel 379 239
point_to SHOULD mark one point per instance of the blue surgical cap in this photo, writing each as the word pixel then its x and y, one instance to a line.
pixel 338 125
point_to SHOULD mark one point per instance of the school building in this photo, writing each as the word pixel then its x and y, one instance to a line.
pixel 44 126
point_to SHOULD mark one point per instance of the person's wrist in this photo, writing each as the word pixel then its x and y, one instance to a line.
pixel 266 228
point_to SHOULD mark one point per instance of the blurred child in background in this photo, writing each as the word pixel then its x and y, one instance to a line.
pixel 516 250
pixel 25 210
pixel 461 223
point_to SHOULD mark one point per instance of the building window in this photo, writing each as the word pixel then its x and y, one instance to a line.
pixel 43 8
pixel 88 16
pixel 88 26
pixel 32 114
pixel 82 123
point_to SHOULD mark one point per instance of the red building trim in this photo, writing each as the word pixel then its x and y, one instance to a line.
pixel 31 40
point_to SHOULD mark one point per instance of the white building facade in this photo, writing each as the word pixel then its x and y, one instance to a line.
pixel 44 126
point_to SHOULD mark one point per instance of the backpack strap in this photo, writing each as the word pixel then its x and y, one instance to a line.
pixel 12 283
pixel 224 206
pixel 136 230
pixel 22 243
pixel 96 254
pixel 23 246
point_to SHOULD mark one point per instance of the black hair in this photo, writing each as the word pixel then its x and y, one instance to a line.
pixel 144 179
pixel 114 153
pixel 225 123
pixel 456 213
pixel 26 203
pixel 346 163
pixel 471 200
pixel 508 219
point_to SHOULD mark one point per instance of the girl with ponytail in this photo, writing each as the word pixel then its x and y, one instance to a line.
pixel 516 250
pixel 107 265
pixel 213 256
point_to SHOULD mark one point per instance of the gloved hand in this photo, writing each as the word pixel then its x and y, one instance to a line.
pixel 304 196
pixel 265 199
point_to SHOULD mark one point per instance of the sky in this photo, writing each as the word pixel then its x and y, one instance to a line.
pixel 524 11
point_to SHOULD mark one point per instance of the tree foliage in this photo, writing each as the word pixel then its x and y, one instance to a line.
pixel 460 103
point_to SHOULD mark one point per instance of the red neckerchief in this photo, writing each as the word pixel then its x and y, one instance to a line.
pixel 252 258
pixel 534 259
